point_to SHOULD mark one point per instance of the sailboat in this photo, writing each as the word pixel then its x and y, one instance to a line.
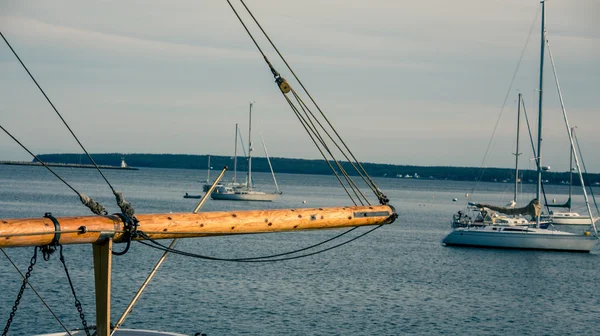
pixel 233 184
pixel 532 237
pixel 480 215
pixel 246 192
pixel 568 217
pixel 104 231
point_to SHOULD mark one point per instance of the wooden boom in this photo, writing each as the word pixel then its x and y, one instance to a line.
pixel 95 229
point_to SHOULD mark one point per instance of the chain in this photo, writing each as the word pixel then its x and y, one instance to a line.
pixel 77 303
pixel 20 295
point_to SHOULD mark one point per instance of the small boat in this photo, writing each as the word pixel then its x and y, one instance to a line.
pixel 191 196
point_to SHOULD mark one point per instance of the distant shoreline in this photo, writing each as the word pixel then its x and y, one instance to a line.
pixel 307 166
pixel 69 165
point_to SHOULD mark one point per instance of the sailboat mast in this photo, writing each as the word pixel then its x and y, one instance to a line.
pixel 571 167
pixel 208 170
pixel 250 148
pixel 541 92
pixel 235 154
pixel 517 151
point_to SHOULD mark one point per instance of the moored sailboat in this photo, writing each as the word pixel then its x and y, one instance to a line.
pixel 568 217
pixel 102 231
pixel 526 236
pixel 246 192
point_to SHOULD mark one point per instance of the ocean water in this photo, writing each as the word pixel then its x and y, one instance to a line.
pixel 398 280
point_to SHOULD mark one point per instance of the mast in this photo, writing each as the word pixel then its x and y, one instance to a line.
pixel 208 170
pixel 250 148
pixel 571 167
pixel 235 154
pixel 541 92
pixel 517 151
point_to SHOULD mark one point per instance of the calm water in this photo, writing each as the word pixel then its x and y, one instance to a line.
pixel 397 280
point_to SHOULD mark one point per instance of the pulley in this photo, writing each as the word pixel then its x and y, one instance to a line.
pixel 283 84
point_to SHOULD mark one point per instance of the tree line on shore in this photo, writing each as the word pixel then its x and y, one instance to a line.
pixel 319 167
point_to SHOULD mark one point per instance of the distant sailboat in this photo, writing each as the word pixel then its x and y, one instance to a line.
pixel 246 191
pixel 568 217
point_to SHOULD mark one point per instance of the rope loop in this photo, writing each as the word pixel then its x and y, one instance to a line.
pixel 131 231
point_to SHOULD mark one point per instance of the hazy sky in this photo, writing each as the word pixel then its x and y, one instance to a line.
pixel 405 82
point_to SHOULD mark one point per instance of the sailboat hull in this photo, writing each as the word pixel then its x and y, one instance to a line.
pixel 528 239
pixel 245 196
pixel 570 218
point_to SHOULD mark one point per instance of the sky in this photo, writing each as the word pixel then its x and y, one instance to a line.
pixel 404 82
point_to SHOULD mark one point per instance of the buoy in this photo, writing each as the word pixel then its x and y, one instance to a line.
pixel 303 201
pixel 454 199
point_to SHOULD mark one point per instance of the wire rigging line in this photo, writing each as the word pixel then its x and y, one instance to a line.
pixel 285 89
pixel 309 126
pixel 125 207
pixel 264 259
pixel 94 206
pixel 360 171
pixel 512 80
pixel 587 176
pixel 536 157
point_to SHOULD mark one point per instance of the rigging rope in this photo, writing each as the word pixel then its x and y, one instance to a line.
pixel 94 206
pixel 261 259
pixel 285 88
pixel 360 171
pixel 504 102
pixel 535 156
pixel 587 176
pixel 125 207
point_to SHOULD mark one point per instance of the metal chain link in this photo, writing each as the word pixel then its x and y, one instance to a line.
pixel 77 303
pixel 20 295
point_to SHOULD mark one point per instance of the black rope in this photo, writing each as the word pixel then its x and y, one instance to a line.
pixel 312 137
pixel 125 207
pixel 285 88
pixel 159 246
pixel 130 232
pixel 56 110
pixel 383 199
pixel 96 207
pixel 310 116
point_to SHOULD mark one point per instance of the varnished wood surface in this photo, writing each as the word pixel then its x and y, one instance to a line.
pixel 40 231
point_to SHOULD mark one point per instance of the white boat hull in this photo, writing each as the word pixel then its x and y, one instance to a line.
pixel 533 239
pixel 570 219
pixel 245 196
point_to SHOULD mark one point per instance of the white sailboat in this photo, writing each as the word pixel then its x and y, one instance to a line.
pixel 246 192
pixel 568 217
pixel 526 236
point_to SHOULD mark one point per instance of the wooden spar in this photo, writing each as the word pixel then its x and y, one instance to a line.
pixel 95 229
